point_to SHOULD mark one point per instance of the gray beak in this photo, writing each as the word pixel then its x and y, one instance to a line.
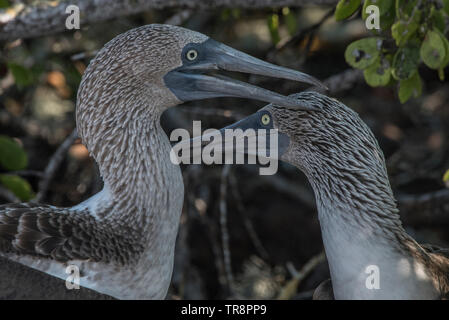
pixel 238 138
pixel 189 81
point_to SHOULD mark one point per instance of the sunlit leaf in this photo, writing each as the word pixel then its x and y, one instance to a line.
pixel 290 20
pixel 402 31
pixel 433 50
pixel 411 87
pixel 379 73
pixel 12 156
pixel 446 59
pixel 273 26
pixel 346 8
pixel 17 185
pixel 364 52
pixel 405 63
pixel 446 178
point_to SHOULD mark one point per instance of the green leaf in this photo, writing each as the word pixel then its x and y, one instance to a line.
pixel 405 63
pixel 438 19
pixel 433 50
pixel 346 8
pixel 387 18
pixel 384 6
pixel 402 31
pixel 411 87
pixel 290 20
pixel 405 8
pixel 446 6
pixel 446 59
pixel 446 176
pixel 379 73
pixel 4 4
pixel 22 76
pixel 12 156
pixel 362 53
pixel 273 26
pixel 17 185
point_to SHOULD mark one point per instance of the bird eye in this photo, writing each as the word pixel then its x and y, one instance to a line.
pixel 192 54
pixel 265 119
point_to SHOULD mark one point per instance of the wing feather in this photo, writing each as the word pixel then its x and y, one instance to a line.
pixel 63 235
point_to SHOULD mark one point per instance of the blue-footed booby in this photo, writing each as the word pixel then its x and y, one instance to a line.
pixel 122 239
pixel 369 253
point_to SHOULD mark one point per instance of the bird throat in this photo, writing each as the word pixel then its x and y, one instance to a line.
pixel 370 255
pixel 133 155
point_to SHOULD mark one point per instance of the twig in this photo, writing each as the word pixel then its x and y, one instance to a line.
pixel 293 40
pixel 248 224
pixel 44 18
pixel 84 55
pixel 28 173
pixel 224 228
pixel 307 268
pixel 298 276
pixel 8 195
pixel 179 18
pixel 342 81
pixel 192 174
pixel 54 164
pixel 281 184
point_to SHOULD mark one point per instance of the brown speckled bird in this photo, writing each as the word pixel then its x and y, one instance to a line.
pixel 360 225
pixel 122 239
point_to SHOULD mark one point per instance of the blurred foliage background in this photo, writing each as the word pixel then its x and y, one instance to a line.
pixel 274 241
pixel 408 32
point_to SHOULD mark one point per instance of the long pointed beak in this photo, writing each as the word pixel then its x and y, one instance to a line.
pixel 189 82
pixel 240 137
pixel 234 60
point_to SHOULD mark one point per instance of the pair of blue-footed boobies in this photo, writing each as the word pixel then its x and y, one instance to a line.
pixel 123 238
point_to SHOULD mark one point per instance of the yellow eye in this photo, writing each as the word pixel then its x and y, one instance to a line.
pixel 265 119
pixel 192 54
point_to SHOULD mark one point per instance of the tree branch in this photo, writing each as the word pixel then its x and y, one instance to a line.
pixel 54 164
pixel 224 228
pixel 47 18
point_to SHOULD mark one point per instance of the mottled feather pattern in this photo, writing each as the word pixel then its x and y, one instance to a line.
pixel 345 165
pixel 346 168
pixel 123 238
pixel 62 235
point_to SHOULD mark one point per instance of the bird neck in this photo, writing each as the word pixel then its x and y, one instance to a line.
pixel 133 155
pixel 369 253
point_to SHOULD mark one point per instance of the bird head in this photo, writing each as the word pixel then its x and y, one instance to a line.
pixel 170 65
pixel 329 137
